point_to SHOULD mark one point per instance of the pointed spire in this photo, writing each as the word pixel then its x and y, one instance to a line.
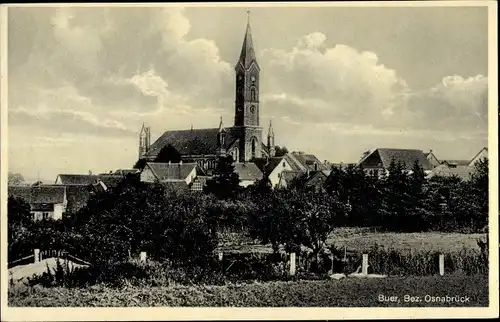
pixel 221 125
pixel 247 55
pixel 271 131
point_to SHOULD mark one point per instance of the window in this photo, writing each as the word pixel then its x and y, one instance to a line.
pixel 253 148
pixel 253 94
pixel 197 186
pixel 45 215
pixel 284 164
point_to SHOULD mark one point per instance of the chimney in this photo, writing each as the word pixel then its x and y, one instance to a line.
pixel 180 162
pixel 169 162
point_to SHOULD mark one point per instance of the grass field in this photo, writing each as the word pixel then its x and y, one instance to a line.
pixel 349 292
pixel 359 239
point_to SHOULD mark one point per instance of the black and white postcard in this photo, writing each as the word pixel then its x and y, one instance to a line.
pixel 249 160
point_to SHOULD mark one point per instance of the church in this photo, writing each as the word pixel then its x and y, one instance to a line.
pixel 243 141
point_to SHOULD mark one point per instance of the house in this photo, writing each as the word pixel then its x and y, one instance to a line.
pixel 481 155
pixel 317 179
pixel 287 177
pixel 248 173
pixel 173 175
pixel 378 160
pixel 433 160
pixel 46 201
pixel 300 161
pixel 105 180
pixel 452 170
pixel 458 168
pixel 273 167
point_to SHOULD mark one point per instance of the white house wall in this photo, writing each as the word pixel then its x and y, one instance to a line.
pixel 274 177
pixel 147 175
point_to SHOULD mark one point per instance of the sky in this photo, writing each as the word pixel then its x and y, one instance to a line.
pixel 335 81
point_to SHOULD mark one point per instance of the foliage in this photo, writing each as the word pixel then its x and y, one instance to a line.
pixel 344 293
pixel 280 151
pixel 15 179
pixel 225 181
pixel 168 154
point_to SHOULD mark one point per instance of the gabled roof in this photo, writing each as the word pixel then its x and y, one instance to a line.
pixel 456 162
pixel 247 54
pixel 406 156
pixel 110 180
pixel 288 176
pixel 248 171
pixel 483 149
pixel 267 165
pixel 460 171
pixel 124 172
pixel 190 142
pixel 302 162
pixel 42 194
pixel 171 171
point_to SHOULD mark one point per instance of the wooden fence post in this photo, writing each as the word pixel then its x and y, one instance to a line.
pixel 37 255
pixel 364 267
pixel 441 264
pixel 292 264
pixel 144 256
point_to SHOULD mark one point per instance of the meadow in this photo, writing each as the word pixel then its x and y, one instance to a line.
pixel 351 292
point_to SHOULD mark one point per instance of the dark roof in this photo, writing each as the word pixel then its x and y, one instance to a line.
pixel 178 186
pixel 247 55
pixel 456 162
pixel 302 162
pixel 405 156
pixel 171 171
pixel 288 176
pixel 124 172
pixel 267 165
pixel 248 171
pixel 78 196
pixel 42 194
pixel 110 180
pixel 460 171
pixel 191 142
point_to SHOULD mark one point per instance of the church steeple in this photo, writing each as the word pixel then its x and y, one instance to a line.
pixel 247 55
pixel 221 138
pixel 270 140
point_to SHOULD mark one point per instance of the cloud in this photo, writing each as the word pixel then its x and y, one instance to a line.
pixel 316 84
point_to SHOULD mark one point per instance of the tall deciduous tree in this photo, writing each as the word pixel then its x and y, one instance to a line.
pixel 15 179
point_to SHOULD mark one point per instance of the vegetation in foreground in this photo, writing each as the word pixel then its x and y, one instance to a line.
pixel 350 292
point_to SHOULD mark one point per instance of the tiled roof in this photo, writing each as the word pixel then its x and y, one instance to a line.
pixel 443 170
pixel 110 180
pixel 171 171
pixel 405 156
pixel 39 194
pixel 190 142
pixel 248 171
pixel 78 196
pixel 456 162
pixel 288 176
pixel 302 162
pixel 124 172
pixel 267 165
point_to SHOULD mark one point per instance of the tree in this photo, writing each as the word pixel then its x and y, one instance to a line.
pixel 225 182
pixel 140 164
pixel 280 151
pixel 15 179
pixel 168 154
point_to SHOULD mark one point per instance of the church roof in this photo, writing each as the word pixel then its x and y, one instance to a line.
pixel 247 55
pixel 190 142
pixel 267 165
